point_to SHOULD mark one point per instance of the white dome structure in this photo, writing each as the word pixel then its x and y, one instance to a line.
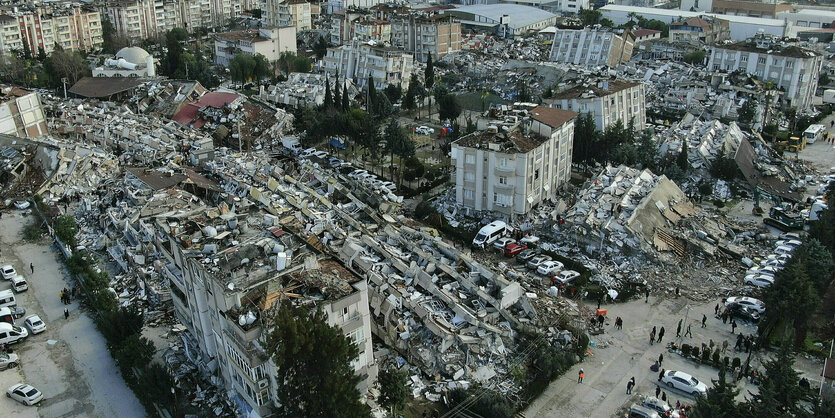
pixel 133 55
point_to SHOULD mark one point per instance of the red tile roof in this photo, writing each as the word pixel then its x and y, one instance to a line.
pixel 189 113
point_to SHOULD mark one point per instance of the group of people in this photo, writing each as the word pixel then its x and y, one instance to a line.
pixel 652 338
pixel 66 296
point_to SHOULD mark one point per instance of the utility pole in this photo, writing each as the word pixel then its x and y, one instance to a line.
pixel 240 146
pixel 64 80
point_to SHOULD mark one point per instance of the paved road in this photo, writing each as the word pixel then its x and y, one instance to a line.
pixel 69 362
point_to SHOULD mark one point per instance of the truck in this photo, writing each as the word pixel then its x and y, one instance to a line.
pixel 292 143
pixel 829 96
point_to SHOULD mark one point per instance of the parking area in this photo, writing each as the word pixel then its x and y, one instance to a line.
pixel 69 362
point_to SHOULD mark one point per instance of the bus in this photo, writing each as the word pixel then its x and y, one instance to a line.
pixel 814 133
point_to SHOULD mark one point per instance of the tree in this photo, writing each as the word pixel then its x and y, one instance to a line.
pixel 585 139
pixel 242 67
pixel 328 99
pixel 393 92
pixel 429 78
pixel 292 63
pixel 790 300
pixel 648 152
pixel 135 351
pixel 66 230
pixel 41 54
pixel 320 48
pixel 174 50
pixel 719 401
pixel 746 111
pixel 67 64
pixel 606 22
pixel 346 99
pixel 112 42
pixel 724 168
pixel 313 366
pixel 523 95
pixel 337 93
pixel 398 143
pixel 590 17
pixel 119 324
pixel 448 107
pixel 382 107
pixel 393 389
pixel 262 66
pixel 695 57
pixel 779 392
pixel 372 95
pixel 681 159
pixel 823 79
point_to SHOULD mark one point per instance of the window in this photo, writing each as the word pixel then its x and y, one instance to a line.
pixel 744 58
pixel 469 176
pixel 789 64
pixel 503 162
pixel 469 194
pixel 502 180
pixel 761 60
pixel 536 174
pixel 470 159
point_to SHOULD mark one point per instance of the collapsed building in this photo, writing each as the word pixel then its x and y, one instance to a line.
pixel 305 90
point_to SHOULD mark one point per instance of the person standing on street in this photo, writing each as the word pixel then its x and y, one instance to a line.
pixel 688 332
pixel 32 267
pixel 678 329
pixel 704 321
pixel 733 326
pixel 716 309
pixel 581 376
pixel 646 300
pixel 660 358
pixel 66 313
pixel 657 391
pixel 724 346
pixel 660 334
pixel 629 385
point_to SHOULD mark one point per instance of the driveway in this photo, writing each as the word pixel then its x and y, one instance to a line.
pixel 69 362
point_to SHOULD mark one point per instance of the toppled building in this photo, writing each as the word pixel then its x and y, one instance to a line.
pixel 591 47
pixel 21 113
pixel 305 90
pixel 627 207
pixel 705 140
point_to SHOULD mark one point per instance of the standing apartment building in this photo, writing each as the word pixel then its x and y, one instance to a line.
pixel 357 61
pixel 794 70
pixel 73 28
pixel 590 47
pixel 269 42
pixel 608 101
pixel 10 39
pixel 142 19
pixel 297 13
pixel 703 29
pixel 511 171
pixel 438 35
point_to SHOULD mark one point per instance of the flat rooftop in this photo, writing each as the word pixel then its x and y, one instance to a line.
pixel 595 89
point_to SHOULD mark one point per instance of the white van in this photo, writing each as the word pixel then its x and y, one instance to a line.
pixel 7 299
pixel 19 284
pixel 490 233
pixel 10 334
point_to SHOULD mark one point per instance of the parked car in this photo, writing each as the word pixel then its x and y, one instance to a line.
pixel 534 262
pixel 35 324
pixel 320 154
pixel 743 312
pixel 11 334
pixel 514 249
pixel 783 249
pixel 17 312
pixel 789 243
pixel 748 302
pixel 761 271
pixel 7 272
pixel 21 204
pixel 356 173
pixel 566 276
pixel 25 394
pixel 659 406
pixel 389 186
pixel 638 411
pixel 684 382
pixel 526 255
pixel 549 268
pixel 503 242
pixel 759 280
pixel 19 284
pixel 424 130
pixel 8 361
pixel 307 153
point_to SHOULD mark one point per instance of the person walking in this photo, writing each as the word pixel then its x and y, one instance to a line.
pixel 66 313
pixel 733 326
pixel 704 321
pixel 660 334
pixel 738 345
pixel 32 267
pixel 661 358
pixel 652 336
pixel 716 309
pixel 646 300
pixel 688 332
pixel 724 346
pixel 657 391
pixel 61 295
pixel 678 330
pixel 661 374
pixel 629 385
pixel 664 396
pixel 725 317
pixel 581 376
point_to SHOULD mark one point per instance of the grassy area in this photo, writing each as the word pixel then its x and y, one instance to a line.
pixel 472 101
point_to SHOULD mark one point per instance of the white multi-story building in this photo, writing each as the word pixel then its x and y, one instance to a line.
pixel 358 61
pixel 793 70
pixel 590 47
pixel 298 13
pixel 608 101
pixel 335 5
pixel 420 36
pixel 10 39
pixel 510 172
pixel 269 42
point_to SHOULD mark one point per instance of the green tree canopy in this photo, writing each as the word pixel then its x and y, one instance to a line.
pixel 779 393
pixel 393 389
pixel 448 107
pixel 313 366
pixel 320 48
pixel 720 400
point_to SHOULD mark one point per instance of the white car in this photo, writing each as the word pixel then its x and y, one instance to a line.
pixel 8 361
pixel 320 154
pixel 7 272
pixel 534 263
pixel 25 394
pixel 308 152
pixel 389 186
pixel 774 263
pixel 356 173
pixel 789 243
pixel 35 324
pixel 790 236
pixel 501 243
pixel 684 382
pixel 566 276
pixel 549 267
pixel 424 130
pixel 759 280
pixel 21 204
pixel 784 249
pixel 748 302
pixel 660 406
pixel 762 271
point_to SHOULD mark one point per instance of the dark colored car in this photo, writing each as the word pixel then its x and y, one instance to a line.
pixel 526 255
pixel 744 312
